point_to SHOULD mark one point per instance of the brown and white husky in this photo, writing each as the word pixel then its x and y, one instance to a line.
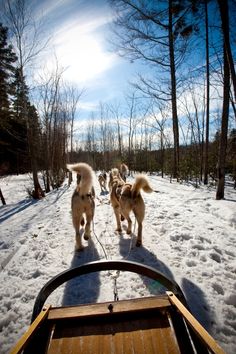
pixel 82 202
pixel 126 197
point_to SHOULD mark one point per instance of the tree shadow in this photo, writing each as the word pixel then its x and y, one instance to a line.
pixel 16 208
pixel 198 304
pixel 85 288
pixel 59 192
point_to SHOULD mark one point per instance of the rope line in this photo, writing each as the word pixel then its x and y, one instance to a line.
pixel 115 277
pixel 104 251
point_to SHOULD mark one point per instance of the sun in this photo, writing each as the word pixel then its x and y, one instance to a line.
pixel 82 55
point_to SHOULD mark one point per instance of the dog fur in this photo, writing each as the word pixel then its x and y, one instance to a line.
pixel 114 175
pixel 82 202
pixel 102 179
pixel 124 170
pixel 126 197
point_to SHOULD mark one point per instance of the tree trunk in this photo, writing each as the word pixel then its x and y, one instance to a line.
pixel 223 6
pixel 70 178
pixel 224 131
pixel 173 96
pixel 207 98
pixel 2 197
pixel 38 192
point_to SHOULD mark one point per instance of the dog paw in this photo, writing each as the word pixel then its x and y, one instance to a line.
pixel 79 249
pixel 119 229
pixel 138 243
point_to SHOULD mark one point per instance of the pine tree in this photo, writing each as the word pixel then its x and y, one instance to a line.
pixel 7 71
pixel 20 98
pixel 28 121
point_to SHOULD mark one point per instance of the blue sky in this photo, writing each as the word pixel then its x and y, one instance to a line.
pixel 79 33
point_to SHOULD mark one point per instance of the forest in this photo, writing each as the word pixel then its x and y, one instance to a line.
pixel 177 119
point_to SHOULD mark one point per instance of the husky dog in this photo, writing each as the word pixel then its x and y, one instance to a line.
pixel 102 179
pixel 126 197
pixel 82 202
pixel 114 175
pixel 124 171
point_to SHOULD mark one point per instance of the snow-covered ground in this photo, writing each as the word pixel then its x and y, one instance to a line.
pixel 187 235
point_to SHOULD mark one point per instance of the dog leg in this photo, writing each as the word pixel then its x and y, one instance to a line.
pixel 89 218
pixel 127 217
pixel 139 212
pixel 77 221
pixel 79 246
pixel 117 214
pixel 139 238
pixel 87 233
pixel 129 225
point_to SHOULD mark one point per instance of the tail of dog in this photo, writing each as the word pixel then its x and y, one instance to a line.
pixel 141 182
pixel 115 172
pixel 86 177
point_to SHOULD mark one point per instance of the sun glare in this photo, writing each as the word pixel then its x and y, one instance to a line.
pixel 81 54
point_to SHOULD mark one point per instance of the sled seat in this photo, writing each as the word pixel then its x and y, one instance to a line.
pixel 141 326
pixel 157 324
pixel 133 326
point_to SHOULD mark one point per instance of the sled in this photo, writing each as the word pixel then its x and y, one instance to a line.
pixel 154 324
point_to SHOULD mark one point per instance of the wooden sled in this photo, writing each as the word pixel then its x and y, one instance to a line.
pixel 155 324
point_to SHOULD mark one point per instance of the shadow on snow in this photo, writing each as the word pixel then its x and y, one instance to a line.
pixel 194 296
pixel 83 289
pixel 15 208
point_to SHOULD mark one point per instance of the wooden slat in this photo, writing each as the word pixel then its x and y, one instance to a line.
pixel 121 306
pixel 197 327
pixel 20 345
pixel 169 341
pixel 146 332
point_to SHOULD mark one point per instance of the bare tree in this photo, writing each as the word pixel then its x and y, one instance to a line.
pixel 224 13
pixel 133 119
pixel 224 128
pixel 91 141
pixel 104 134
pixel 54 122
pixel 2 198
pixel 27 43
pixel 72 95
pixel 158 119
pixel 206 150
pixel 155 33
pixel 115 113
pixel 193 108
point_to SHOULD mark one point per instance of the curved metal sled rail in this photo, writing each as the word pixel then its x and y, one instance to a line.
pixel 98 266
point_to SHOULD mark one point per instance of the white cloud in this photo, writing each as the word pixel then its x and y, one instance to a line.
pixel 82 55
pixel 78 42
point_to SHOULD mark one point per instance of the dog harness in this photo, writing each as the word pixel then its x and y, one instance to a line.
pixel 89 195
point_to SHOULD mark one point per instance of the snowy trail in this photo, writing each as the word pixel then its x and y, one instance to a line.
pixel 187 235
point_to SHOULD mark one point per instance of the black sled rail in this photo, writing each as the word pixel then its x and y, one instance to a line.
pixel 98 266
pixel 154 325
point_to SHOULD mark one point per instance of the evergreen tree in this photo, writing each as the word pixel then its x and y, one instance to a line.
pixel 20 99
pixel 7 71
pixel 7 59
pixel 27 121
